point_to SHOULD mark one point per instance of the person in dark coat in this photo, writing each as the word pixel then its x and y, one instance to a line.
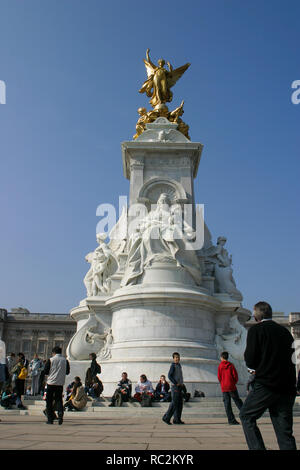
pixel 175 376
pixel 269 352
pixel 91 372
pixel 162 390
pixel 228 378
pixel 123 391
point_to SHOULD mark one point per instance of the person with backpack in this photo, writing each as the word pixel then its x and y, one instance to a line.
pixel 228 378
pixel 144 392
pixel 123 392
pixel 92 372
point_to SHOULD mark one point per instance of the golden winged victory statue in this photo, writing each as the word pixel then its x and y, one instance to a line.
pixel 158 86
pixel 160 80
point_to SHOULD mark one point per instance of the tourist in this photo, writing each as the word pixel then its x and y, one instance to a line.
pixel 8 398
pixel 11 362
pixel 35 368
pixel 78 398
pixel 95 389
pixel 162 392
pixel 123 392
pixel 144 386
pixel 19 376
pixel 56 369
pixel 92 371
pixel 228 378
pixel 175 376
pixel 269 352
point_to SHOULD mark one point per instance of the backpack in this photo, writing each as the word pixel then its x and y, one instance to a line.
pixel 119 399
pixel 146 400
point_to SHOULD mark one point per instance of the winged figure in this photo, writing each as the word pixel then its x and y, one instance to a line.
pixel 160 80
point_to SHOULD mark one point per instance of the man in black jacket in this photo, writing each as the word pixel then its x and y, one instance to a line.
pixel 269 353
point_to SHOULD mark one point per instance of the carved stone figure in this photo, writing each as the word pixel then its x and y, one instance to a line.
pixel 105 352
pixel 218 255
pixel 160 80
pixel 103 265
pixel 159 238
pixel 89 338
pixel 234 342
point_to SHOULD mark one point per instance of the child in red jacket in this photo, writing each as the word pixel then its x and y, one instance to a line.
pixel 228 378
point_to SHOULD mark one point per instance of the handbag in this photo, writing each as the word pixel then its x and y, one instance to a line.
pixel 23 374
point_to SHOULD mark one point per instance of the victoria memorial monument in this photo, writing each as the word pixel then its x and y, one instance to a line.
pixel 160 283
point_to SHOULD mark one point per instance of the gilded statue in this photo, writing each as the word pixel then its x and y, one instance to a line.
pixel 160 80
pixel 174 116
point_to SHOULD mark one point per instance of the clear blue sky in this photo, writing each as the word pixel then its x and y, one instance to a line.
pixel 72 71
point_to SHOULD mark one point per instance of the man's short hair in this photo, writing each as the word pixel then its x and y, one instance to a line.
pixel 124 373
pixel 262 310
pixel 225 355
pixel 175 354
pixel 57 350
pixel 93 355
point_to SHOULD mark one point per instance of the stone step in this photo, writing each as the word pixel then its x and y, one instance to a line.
pixel 128 412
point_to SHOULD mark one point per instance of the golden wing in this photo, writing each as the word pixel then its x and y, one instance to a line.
pixel 150 68
pixel 174 75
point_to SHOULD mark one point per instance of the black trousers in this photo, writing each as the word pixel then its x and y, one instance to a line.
pixel 175 407
pixel 227 403
pixel 54 393
pixel 280 407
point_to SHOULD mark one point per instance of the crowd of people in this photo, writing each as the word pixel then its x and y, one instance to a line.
pixel 272 383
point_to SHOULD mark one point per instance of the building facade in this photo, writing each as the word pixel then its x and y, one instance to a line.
pixel 30 333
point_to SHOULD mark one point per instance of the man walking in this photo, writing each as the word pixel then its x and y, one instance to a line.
pixel 228 378
pixel 175 376
pixel 269 352
pixel 56 368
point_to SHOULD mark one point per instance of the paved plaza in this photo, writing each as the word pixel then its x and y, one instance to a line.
pixel 111 432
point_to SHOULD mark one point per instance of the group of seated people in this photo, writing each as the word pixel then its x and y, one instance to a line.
pixel 144 389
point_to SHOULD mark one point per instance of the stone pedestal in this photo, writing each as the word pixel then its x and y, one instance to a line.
pixel 168 301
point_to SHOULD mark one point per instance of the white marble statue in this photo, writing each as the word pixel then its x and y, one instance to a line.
pixel 222 271
pixel 88 339
pixel 160 238
pixel 103 265
pixel 105 352
pixel 234 342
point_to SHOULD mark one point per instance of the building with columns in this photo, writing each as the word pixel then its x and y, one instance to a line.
pixel 30 333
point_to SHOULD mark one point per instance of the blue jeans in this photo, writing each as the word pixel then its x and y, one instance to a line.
pixel 227 403
pixel 175 407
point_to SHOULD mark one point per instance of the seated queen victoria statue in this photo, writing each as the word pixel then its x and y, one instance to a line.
pixel 159 237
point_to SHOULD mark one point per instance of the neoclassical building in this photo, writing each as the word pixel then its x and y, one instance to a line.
pixel 23 331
